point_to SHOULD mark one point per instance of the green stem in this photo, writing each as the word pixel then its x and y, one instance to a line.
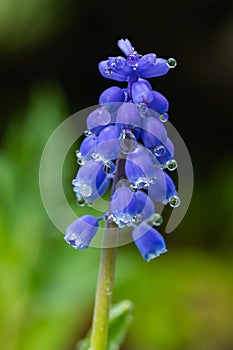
pixel 104 290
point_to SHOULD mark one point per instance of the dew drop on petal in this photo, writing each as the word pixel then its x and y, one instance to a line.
pixel 87 133
pixel 108 71
pixel 171 62
pixel 142 108
pixel 109 167
pixel 127 141
pixel 164 117
pixel 160 151
pixel 80 162
pixel 174 201
pixel 103 117
pixel 136 218
pixel 157 219
pixel 81 201
pixel 119 62
pixel 133 187
pixel 133 59
pixel 96 156
pixel 85 190
pixel 171 164
pixel 75 182
pixel 78 153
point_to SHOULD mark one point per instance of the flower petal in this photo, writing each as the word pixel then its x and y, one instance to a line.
pixel 125 46
pixel 159 103
pixel 80 232
pixel 163 189
pixel 91 181
pixel 97 119
pixel 108 143
pixel 139 168
pixel 109 69
pixel 153 132
pixel 123 206
pixel 155 69
pixel 149 241
pixel 112 94
pixel 127 116
pixel 141 93
pixel 145 205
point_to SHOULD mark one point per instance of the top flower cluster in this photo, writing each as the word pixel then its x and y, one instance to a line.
pixel 127 145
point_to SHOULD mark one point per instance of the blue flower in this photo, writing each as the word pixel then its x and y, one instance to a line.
pixel 149 241
pixel 127 145
pixel 146 66
pixel 80 233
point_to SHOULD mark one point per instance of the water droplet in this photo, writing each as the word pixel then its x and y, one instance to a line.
pixel 80 162
pixel 87 133
pixel 127 141
pixel 160 151
pixel 119 62
pixel 133 59
pixel 171 62
pixel 85 190
pixel 108 71
pixel 153 180
pixel 157 219
pixel 103 118
pixel 78 153
pixel 108 291
pixel 109 167
pixel 133 187
pixel 142 108
pixel 75 182
pixel 171 164
pixel 136 218
pixel 81 201
pixel 164 117
pixel 100 110
pixel 96 156
pixel 174 201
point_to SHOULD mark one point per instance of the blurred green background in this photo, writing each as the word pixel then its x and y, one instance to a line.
pixel 49 52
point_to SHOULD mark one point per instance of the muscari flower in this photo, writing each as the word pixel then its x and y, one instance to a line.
pixel 129 125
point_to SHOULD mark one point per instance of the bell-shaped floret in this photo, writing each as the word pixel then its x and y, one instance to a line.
pixel 145 205
pixel 108 143
pixel 149 66
pixel 98 119
pixel 80 232
pixel 91 181
pixel 125 46
pixel 128 116
pixel 167 154
pixel 149 241
pixel 159 103
pixel 146 61
pixel 163 189
pixel 141 93
pixel 112 95
pixel 123 206
pixel 116 68
pixel 88 147
pixel 139 168
pixel 141 80
pixel 153 132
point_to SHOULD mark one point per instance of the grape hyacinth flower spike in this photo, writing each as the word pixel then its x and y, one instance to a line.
pixel 127 132
pixel 127 149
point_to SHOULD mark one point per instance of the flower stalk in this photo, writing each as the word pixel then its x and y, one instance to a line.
pixel 104 290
